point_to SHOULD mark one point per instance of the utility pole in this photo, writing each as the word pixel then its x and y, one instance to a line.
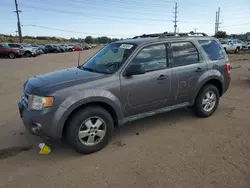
pixel 175 17
pixel 18 22
pixel 216 22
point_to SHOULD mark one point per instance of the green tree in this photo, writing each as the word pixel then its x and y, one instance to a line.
pixel 221 34
pixel 89 39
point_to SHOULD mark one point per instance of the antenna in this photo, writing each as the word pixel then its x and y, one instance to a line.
pixel 78 63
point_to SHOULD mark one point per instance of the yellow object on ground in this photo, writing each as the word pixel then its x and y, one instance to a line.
pixel 45 150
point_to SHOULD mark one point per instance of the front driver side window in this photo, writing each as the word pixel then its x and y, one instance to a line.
pixel 152 58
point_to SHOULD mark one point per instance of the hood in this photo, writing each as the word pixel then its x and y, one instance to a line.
pixel 66 77
pixel 30 48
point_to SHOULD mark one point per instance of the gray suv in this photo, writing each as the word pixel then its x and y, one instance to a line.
pixel 125 81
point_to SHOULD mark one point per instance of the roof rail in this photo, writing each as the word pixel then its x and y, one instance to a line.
pixel 166 34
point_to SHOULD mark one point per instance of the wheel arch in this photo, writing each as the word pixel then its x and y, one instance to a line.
pixel 212 81
pixel 100 104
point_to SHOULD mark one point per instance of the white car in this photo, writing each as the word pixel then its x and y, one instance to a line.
pixel 232 45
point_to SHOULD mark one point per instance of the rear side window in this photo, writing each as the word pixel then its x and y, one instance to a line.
pixel 184 53
pixel 213 49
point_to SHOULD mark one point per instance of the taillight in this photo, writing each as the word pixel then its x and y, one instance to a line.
pixel 228 68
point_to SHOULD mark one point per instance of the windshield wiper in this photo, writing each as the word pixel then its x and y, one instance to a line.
pixel 88 69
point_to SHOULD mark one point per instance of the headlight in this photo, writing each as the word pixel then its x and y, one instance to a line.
pixel 38 103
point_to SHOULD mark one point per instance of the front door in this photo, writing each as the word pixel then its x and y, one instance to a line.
pixel 187 67
pixel 149 91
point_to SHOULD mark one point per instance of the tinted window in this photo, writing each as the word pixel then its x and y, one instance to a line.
pixel 14 45
pixel 213 49
pixel 184 53
pixel 110 58
pixel 152 57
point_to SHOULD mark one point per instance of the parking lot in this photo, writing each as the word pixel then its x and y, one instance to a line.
pixel 175 149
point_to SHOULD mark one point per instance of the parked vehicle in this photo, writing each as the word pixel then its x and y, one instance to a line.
pixel 52 49
pixel 232 45
pixel 28 50
pixel 69 48
pixel 86 46
pixel 42 48
pixel 125 81
pixel 12 53
pixel 78 48
pixel 62 48
pixel 248 45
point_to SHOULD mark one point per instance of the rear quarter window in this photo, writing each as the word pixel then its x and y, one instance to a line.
pixel 213 49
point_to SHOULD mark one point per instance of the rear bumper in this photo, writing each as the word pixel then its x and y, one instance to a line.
pixel 227 84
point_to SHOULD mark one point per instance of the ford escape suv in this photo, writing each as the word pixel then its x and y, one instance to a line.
pixel 125 81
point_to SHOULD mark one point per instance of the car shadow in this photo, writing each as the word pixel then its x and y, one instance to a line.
pixel 61 150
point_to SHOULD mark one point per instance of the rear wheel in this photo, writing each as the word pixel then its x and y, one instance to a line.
pixel 207 101
pixel 90 129
pixel 237 50
pixel 11 55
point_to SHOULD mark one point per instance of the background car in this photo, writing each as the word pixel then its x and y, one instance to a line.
pixel 61 48
pixel 78 48
pixel 28 50
pixel 52 48
pixel 232 45
pixel 12 53
pixel 68 48
pixel 40 47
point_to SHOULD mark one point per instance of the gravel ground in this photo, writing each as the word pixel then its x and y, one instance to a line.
pixel 175 149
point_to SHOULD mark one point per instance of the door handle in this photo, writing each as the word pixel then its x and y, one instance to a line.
pixel 162 77
pixel 199 70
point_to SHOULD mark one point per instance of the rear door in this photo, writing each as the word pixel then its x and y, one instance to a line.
pixel 187 66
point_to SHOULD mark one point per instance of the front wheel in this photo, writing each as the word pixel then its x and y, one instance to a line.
pixel 207 101
pixel 237 50
pixel 90 129
pixel 28 54
pixel 11 55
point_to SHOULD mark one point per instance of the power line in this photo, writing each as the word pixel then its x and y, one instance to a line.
pixel 70 31
pixel 236 25
pixel 108 16
pixel 132 9
pixel 95 16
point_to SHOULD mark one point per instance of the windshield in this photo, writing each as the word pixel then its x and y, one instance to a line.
pixel 5 45
pixel 26 45
pixel 110 58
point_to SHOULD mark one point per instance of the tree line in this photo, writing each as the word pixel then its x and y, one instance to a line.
pixel 223 35
pixel 87 39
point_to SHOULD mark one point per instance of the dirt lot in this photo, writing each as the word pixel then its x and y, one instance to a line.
pixel 169 150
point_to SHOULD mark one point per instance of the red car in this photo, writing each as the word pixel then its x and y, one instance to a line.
pixel 78 48
pixel 12 53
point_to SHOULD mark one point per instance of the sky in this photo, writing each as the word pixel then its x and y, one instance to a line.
pixel 122 18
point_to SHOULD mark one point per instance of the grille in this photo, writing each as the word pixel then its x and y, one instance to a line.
pixel 25 99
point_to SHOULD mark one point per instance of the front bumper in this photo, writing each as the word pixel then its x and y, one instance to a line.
pixel 39 122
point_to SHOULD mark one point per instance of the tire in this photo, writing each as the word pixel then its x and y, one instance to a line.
pixel 78 123
pixel 71 50
pixel 11 55
pixel 199 108
pixel 237 50
pixel 28 54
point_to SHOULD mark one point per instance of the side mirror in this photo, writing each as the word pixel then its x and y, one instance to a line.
pixel 135 69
